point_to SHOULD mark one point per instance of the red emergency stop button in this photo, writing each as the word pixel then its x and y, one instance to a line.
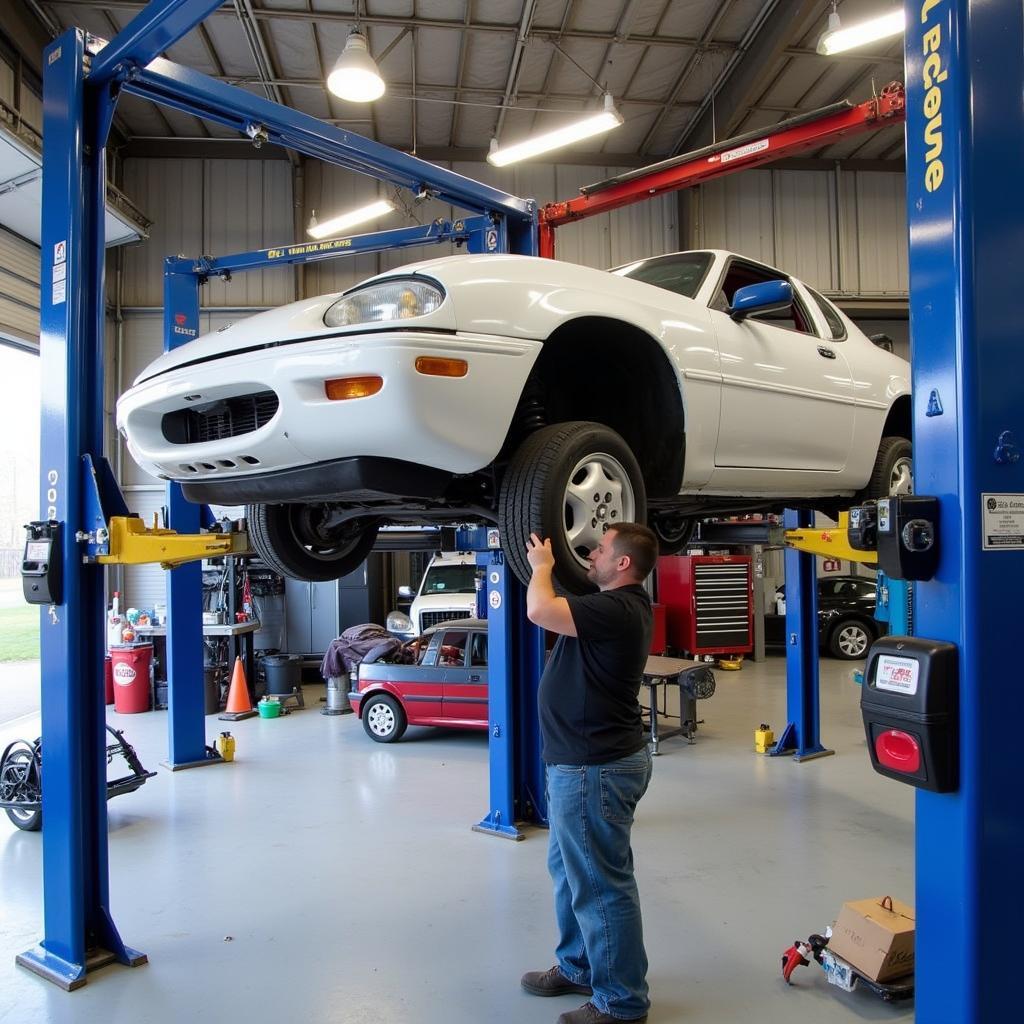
pixel 898 750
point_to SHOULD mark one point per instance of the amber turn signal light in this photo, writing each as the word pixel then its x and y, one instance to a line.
pixel 436 366
pixel 352 387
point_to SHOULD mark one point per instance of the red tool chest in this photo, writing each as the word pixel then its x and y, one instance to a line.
pixel 709 602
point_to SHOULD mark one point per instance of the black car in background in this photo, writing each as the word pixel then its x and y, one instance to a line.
pixel 846 617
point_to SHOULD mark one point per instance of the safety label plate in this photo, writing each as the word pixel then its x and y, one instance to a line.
pixel 1002 522
pixel 838 971
pixel 896 674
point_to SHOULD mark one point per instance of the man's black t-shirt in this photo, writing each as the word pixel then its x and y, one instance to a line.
pixel 588 694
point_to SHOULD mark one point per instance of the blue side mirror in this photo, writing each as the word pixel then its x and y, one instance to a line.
pixel 765 297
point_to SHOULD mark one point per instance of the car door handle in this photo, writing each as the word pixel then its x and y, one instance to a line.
pixel 474 677
pixel 826 352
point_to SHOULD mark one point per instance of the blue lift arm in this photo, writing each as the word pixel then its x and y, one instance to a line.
pixel 263 121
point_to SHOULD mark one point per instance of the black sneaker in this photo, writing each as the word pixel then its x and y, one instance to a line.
pixel 552 983
pixel 588 1013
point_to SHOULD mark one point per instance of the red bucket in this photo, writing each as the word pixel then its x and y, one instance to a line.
pixel 108 680
pixel 131 678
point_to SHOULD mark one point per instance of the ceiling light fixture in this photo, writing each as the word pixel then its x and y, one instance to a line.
pixel 340 224
pixel 356 77
pixel 594 124
pixel 836 39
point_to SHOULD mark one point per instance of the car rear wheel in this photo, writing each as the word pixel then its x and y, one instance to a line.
pixel 849 640
pixel 570 482
pixel 894 469
pixel 298 541
pixel 383 719
pixel 674 533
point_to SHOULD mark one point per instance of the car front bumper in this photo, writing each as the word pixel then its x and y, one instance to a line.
pixel 452 424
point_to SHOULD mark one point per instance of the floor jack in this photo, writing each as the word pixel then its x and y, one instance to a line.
pixel 840 972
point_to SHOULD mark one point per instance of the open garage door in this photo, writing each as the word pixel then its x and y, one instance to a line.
pixel 19 291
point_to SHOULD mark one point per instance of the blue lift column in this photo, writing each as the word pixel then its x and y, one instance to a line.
pixel 965 166
pixel 78 931
pixel 186 712
pixel 801 737
pixel 515 659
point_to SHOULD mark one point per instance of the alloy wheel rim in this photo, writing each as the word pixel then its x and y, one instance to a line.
pixel 902 479
pixel 853 641
pixel 598 496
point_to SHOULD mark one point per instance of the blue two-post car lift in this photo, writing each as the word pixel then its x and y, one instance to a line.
pixel 80 93
pixel 965 158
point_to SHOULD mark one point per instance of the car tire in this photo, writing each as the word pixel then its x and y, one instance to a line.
pixel 383 718
pixel 850 639
pixel 570 482
pixel 674 534
pixel 893 472
pixel 286 538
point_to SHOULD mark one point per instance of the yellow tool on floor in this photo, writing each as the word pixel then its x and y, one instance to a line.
pixel 764 738
pixel 730 664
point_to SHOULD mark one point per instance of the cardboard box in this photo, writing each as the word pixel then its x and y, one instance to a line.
pixel 876 936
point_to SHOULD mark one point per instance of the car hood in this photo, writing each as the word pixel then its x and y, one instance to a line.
pixel 533 292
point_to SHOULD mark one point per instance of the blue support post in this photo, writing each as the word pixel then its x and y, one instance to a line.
pixel 186 712
pixel 965 164
pixel 78 931
pixel 801 737
pixel 515 658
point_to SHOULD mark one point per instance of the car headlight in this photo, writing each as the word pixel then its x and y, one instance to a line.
pixel 399 622
pixel 397 299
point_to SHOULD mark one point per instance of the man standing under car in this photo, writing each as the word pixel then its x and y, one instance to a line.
pixel 597 769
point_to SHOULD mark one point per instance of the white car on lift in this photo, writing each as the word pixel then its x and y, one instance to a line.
pixel 540 395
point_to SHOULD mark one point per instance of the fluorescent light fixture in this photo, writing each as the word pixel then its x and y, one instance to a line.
pixel 836 39
pixel 356 77
pixel 340 224
pixel 595 124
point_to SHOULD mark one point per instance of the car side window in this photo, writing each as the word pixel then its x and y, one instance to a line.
pixel 452 651
pixel 739 275
pixel 832 317
pixel 478 650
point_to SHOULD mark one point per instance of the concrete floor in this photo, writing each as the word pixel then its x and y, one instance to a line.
pixel 326 878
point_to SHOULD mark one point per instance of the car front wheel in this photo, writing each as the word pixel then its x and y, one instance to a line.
pixel 300 542
pixel 570 482
pixel 383 719
pixel 849 640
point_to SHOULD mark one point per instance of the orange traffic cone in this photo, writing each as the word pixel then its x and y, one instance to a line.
pixel 239 706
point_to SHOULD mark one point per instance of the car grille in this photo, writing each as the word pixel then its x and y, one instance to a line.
pixel 230 417
pixel 428 619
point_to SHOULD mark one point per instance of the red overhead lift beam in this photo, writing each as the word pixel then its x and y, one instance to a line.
pixel 808 131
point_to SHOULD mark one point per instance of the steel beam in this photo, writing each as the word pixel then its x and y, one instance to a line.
pixel 965 163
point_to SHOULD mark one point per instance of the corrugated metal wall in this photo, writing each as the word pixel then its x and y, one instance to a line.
pixel 19 290
pixel 843 233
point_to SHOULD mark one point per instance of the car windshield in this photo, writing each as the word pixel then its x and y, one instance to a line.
pixel 681 272
pixel 450 579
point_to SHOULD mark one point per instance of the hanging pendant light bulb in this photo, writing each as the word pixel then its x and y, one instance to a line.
pixel 355 76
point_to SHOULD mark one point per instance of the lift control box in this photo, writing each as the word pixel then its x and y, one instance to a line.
pixel 862 531
pixel 909 703
pixel 42 564
pixel 908 536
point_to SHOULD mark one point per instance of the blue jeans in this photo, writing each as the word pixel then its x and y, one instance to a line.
pixel 597 906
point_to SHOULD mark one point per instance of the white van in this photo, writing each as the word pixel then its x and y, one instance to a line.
pixel 447 591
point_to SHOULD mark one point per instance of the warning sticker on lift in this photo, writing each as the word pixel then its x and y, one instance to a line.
pixel 896 674
pixel 1002 522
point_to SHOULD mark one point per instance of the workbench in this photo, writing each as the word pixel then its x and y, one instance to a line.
pixel 660 673
pixel 239 637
